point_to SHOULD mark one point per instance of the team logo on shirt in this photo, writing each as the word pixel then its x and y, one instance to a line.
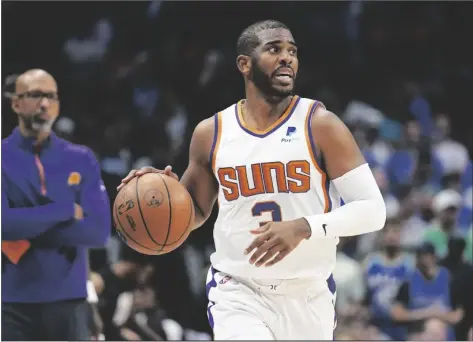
pixel 74 178
pixel 267 178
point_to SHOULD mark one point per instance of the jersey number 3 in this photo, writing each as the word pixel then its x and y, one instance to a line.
pixel 267 207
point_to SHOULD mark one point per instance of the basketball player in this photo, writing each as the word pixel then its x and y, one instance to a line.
pixel 279 165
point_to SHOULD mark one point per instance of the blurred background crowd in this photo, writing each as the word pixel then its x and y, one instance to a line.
pixel 136 77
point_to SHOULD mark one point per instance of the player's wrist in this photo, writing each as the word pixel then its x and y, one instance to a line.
pixel 317 229
pixel 303 228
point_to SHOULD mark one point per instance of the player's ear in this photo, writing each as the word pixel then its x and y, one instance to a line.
pixel 15 103
pixel 243 64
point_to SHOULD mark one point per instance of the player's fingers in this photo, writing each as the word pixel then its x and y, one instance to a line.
pixel 261 229
pixel 147 169
pixel 269 255
pixel 281 255
pixel 256 243
pixel 262 250
pixel 173 175
pixel 128 177
pixel 168 172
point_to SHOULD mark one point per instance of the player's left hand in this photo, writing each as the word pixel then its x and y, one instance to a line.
pixel 276 240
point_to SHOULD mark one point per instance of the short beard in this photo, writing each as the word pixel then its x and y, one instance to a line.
pixel 263 84
pixel 35 125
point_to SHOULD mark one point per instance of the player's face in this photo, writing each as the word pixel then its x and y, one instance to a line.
pixel 275 64
pixel 37 103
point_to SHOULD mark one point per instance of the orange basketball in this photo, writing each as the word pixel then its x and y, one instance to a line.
pixel 153 214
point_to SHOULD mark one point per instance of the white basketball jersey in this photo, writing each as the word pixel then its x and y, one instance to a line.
pixel 271 175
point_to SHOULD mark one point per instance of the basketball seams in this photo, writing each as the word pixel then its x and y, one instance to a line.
pixel 142 217
pixel 170 213
pixel 135 241
pixel 188 223
pixel 126 233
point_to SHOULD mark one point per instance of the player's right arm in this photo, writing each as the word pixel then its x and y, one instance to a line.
pixel 198 178
pixel 27 223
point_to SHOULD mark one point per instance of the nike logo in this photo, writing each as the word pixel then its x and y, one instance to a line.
pixel 325 230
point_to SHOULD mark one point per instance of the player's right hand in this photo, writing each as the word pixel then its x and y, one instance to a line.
pixel 144 170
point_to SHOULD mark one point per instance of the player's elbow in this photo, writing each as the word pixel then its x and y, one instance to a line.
pixel 372 214
pixel 378 213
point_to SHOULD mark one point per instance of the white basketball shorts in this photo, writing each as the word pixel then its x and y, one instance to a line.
pixel 247 309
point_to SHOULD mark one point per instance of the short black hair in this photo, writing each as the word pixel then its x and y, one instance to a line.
pixel 248 40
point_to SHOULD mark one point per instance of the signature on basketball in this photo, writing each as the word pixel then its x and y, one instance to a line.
pixel 126 206
pixel 153 198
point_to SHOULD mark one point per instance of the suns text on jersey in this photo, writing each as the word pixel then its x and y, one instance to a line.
pixel 269 177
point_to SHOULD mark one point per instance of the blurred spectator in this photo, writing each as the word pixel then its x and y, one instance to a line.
pixel 413 163
pixel 348 276
pixel 414 204
pixel 113 285
pixel 453 155
pixel 385 271
pixel 425 295
pixel 445 206
pixel 461 281
pixel 420 109
pixel 367 122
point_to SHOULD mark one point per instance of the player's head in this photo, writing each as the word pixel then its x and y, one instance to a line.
pixel 36 101
pixel 391 239
pixel 267 58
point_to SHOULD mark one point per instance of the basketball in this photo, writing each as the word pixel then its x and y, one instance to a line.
pixel 153 214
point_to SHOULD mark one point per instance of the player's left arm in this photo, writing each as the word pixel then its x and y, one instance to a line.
pixel 364 210
pixel 94 229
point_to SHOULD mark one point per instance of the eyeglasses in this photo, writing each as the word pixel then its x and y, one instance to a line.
pixel 39 95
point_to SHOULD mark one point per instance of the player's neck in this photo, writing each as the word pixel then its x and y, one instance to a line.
pixel 260 113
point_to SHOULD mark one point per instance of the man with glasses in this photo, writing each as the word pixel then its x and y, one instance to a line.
pixel 54 206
